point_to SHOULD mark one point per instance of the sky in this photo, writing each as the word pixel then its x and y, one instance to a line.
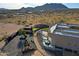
pixel 72 5
pixel 20 5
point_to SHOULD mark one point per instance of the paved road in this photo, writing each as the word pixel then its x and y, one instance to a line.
pixel 12 47
pixel 65 37
pixel 56 52
pixel 73 32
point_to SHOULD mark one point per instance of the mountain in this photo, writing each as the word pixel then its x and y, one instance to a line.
pixel 28 9
pixel 52 6
pixel 3 10
pixel 46 7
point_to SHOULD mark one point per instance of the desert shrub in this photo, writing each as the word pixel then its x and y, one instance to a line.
pixel 21 32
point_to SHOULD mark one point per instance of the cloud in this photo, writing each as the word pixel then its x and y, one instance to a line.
pixel 14 5
pixel 39 1
pixel 26 1
pixel 18 5
pixel 10 5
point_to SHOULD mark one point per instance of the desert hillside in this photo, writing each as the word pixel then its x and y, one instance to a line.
pixel 48 17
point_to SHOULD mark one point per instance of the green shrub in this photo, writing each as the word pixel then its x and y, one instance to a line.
pixel 21 32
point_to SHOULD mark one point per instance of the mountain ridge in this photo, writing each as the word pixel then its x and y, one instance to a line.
pixel 45 7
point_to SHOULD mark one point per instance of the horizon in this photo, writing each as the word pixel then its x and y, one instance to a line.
pixel 20 5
